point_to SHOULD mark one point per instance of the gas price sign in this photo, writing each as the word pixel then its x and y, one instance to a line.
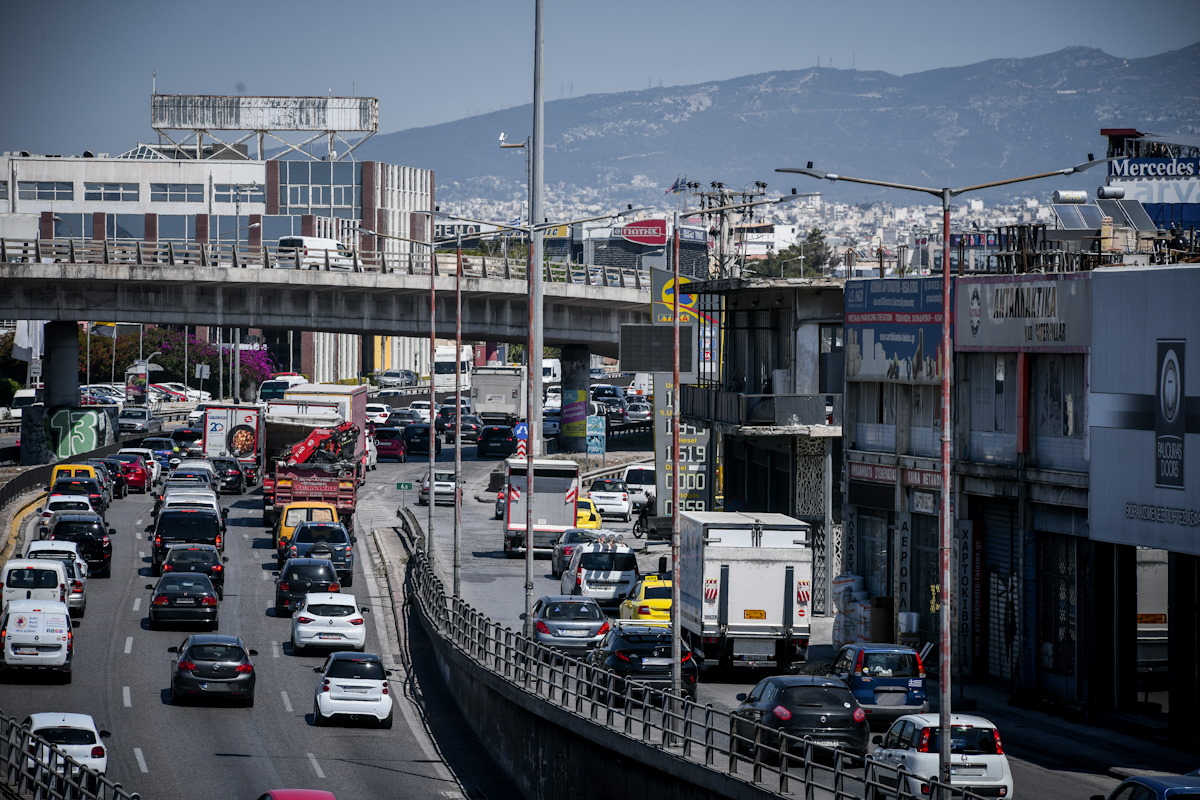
pixel 695 457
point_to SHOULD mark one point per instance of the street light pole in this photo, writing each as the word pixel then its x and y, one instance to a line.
pixel 458 416
pixel 946 539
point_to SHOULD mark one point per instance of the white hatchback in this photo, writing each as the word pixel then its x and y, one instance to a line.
pixel 378 413
pixel 74 735
pixel 353 686
pixel 977 757
pixel 330 620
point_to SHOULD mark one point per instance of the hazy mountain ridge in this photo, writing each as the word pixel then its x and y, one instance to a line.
pixel 953 126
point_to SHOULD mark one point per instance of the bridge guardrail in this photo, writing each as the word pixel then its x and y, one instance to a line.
pixel 795 767
pixel 245 256
pixel 30 766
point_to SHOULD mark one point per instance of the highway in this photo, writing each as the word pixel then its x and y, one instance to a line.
pixel 159 750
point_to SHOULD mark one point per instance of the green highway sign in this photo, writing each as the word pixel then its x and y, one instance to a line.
pixel 404 487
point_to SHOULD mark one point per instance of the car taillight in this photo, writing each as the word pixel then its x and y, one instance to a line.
pixel 358 621
pixel 542 627
pixel 645 610
pixel 325 685
pixel 859 715
pixel 385 687
pixel 282 542
pixel 218 567
pixel 622 654
pixel 605 628
pixel 106 540
pixel 208 600
pixel 97 752
pixel 579 578
pixel 218 540
pixel 685 656
pixel 782 713
pixel 996 739
pixel 76 586
pixel 167 568
pixel 160 600
pixel 349 549
pixel 858 663
pixel 923 745
pixel 304 620
pixel 186 665
pixel 334 587
pixel 284 586
pixel 158 540
pixel 244 668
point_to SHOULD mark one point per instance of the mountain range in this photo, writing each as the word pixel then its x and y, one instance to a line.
pixel 955 126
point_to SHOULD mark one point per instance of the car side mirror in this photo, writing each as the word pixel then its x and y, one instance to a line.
pixel 365 610
pixel 150 586
pixel 224 512
pixel 105 734
pixel 172 649
pixel 253 652
pixel 38 510
pixel 112 531
pixel 740 697
pixel 523 616
pixel 879 740
pixel 317 669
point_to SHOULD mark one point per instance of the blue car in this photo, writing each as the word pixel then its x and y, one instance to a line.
pixel 887 680
pixel 1155 787
pixel 165 450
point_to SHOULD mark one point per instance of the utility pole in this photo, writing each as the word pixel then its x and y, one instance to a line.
pixel 721 220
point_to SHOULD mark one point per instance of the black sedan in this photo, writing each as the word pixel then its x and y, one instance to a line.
pixel 210 665
pixel 633 658
pixel 230 478
pixel 205 559
pixel 495 440
pixel 300 576
pixel 181 597
pixel 471 425
pixel 800 705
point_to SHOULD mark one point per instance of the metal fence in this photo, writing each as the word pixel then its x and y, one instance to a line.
pixel 782 764
pixel 239 256
pixel 32 767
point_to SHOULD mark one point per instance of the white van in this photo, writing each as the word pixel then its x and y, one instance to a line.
pixel 37 635
pixel 604 570
pixel 34 579
pixel 641 480
pixel 312 252
pixel 23 398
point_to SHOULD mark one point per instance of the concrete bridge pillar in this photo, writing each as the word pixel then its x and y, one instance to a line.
pixel 576 395
pixel 60 370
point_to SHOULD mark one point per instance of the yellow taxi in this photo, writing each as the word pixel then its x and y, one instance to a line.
pixel 650 599
pixel 586 514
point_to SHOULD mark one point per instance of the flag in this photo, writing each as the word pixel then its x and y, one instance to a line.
pixel 677 187
pixel 108 329
pixel 572 495
pixel 29 340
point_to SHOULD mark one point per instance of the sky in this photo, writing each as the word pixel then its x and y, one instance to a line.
pixel 79 73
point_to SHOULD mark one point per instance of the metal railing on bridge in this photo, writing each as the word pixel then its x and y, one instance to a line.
pixel 245 256
pixel 32 767
pixel 772 760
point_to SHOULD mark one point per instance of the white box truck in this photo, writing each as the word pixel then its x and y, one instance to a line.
pixel 745 588
pixel 555 489
pixel 498 394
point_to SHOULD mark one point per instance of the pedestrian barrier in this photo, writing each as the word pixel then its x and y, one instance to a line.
pixel 31 767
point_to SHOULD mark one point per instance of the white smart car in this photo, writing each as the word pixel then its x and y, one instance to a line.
pixel 977 759
pixel 353 686
pixel 330 620
pixel 378 413
pixel 74 735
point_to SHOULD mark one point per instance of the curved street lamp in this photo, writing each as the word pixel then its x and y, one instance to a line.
pixel 946 539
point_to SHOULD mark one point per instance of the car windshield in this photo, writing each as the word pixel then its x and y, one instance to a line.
pixel 572 611
pixel 353 668
pixel 216 652
pixel 67 735
pixel 134 413
pixel 187 524
pixel 640 476
pixel 320 533
pixel 608 486
pixel 387 434
pixel 964 739
pixel 330 610
pixel 308 572
pixel 815 696
pixel 70 505
pixel 184 583
pixel 69 528
pixel 657 593
pixel 890 665
pixel 608 562
pixel 31 578
pixel 295 516
pixel 192 557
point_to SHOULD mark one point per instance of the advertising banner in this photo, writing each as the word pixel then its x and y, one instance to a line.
pixel 894 330
pixel 1023 312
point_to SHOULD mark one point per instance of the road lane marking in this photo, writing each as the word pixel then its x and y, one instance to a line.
pixel 141 759
pixel 125 698
pixel 137 603
pixel 128 645
pixel 287 704
pixel 247 536
pixel 142 553
pixel 266 576
pixel 276 647
pixel 316 767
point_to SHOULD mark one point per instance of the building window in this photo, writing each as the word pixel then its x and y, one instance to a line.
pixel 45 190
pixel 994 392
pixel 114 192
pixel 177 227
pixel 1059 383
pixel 125 226
pixel 177 192
pixel 249 193
pixel 3 190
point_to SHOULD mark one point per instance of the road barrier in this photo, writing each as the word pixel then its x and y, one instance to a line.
pixel 32 767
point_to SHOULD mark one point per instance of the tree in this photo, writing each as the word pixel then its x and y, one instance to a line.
pixel 808 258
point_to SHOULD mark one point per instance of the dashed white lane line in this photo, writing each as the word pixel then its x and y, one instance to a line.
pixel 137 603
pixel 266 576
pixel 316 767
pixel 128 645
pixel 276 648
pixel 125 698
pixel 287 703
pixel 247 536
pixel 142 553
pixel 141 759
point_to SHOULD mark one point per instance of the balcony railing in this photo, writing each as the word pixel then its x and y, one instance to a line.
pixel 765 410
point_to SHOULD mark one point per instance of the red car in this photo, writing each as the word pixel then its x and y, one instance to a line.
pixel 137 476
pixel 389 442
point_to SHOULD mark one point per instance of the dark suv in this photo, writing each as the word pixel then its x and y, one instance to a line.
pixel 887 680
pixel 419 437
pixel 90 533
pixel 495 440
pixel 230 477
pixel 328 540
pixel 300 576
pixel 183 526
pixel 639 656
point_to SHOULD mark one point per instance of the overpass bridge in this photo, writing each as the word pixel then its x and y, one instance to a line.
pixel 196 284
